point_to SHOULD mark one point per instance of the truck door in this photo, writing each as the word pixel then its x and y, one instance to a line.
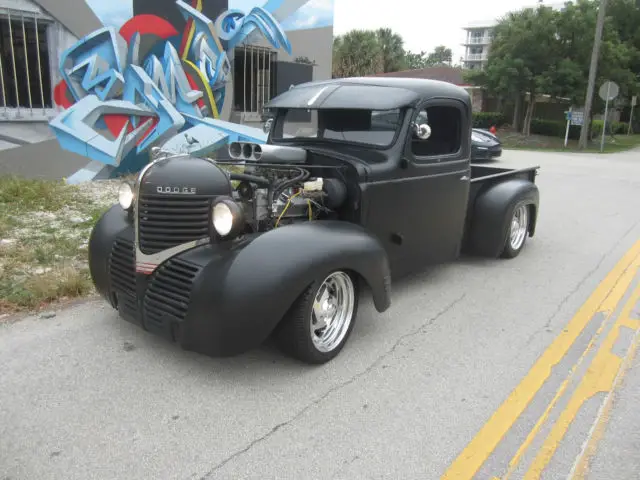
pixel 434 192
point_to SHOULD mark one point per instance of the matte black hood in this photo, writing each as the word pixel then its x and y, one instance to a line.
pixel 186 176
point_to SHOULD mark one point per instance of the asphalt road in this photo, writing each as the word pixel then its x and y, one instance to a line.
pixel 475 361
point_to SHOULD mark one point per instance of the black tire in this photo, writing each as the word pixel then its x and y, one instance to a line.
pixel 511 251
pixel 293 335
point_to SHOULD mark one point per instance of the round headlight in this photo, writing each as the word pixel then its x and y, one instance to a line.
pixel 222 218
pixel 227 217
pixel 125 195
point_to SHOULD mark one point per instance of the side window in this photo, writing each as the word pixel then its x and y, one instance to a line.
pixel 445 138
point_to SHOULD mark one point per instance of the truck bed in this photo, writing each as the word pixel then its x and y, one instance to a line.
pixel 484 176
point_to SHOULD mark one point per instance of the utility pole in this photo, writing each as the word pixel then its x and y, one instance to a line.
pixel 593 70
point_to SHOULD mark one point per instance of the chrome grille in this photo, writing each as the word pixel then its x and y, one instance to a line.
pixel 169 291
pixel 165 221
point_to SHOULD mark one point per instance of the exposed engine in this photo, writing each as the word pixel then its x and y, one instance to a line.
pixel 276 188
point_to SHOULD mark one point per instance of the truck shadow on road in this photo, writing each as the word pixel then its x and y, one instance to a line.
pixel 414 298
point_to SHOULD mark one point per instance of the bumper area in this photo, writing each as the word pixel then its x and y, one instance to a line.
pixel 183 300
pixel 486 153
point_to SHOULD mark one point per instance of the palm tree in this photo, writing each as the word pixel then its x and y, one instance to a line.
pixel 357 53
pixel 392 50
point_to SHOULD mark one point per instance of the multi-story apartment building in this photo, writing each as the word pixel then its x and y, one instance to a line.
pixel 477 41
pixel 478 36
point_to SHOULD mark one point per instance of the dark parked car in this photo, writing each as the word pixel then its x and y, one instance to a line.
pixel 341 196
pixel 484 145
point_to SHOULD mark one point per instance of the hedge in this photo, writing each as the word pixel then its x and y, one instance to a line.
pixel 488 119
pixel 553 128
pixel 549 128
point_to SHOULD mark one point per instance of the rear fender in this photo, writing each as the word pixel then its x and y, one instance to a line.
pixel 492 213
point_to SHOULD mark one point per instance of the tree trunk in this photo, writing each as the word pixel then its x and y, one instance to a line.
pixel 516 113
pixel 526 130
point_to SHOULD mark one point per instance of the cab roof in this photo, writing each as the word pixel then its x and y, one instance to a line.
pixel 375 93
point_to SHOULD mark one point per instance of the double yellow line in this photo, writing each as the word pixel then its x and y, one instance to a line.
pixel 600 377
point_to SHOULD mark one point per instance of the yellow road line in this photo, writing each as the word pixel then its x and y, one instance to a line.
pixel 599 378
pixel 515 461
pixel 581 465
pixel 604 299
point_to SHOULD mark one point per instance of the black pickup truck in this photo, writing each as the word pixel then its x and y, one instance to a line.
pixel 351 189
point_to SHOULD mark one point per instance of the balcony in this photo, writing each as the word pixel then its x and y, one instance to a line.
pixel 476 57
pixel 478 41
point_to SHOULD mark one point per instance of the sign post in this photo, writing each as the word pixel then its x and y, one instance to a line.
pixel 634 101
pixel 566 135
pixel 608 91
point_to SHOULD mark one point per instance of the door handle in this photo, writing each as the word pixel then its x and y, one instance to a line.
pixel 464 177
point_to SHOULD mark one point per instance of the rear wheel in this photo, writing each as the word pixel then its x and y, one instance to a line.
pixel 518 230
pixel 320 321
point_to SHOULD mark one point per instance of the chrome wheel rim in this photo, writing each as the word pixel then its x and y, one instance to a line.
pixel 519 224
pixel 332 311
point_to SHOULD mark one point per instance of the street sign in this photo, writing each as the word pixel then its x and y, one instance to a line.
pixel 577 117
pixel 634 100
pixel 609 91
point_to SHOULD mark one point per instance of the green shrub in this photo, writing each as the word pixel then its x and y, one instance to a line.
pixel 488 119
pixel 553 128
pixel 613 128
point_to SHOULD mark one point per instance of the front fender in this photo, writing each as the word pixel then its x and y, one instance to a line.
pixel 111 224
pixel 492 213
pixel 278 265
pixel 251 286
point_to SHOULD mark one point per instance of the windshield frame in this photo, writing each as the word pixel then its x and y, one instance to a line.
pixel 279 120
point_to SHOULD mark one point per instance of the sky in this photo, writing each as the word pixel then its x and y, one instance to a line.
pixel 423 24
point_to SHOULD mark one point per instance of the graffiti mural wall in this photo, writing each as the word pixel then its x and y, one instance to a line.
pixel 187 75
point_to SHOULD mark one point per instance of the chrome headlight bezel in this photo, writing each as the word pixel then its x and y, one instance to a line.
pixel 227 218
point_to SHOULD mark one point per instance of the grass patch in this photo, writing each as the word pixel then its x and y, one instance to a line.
pixel 44 231
pixel 517 141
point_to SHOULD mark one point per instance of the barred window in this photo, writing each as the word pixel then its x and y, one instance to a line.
pixel 25 79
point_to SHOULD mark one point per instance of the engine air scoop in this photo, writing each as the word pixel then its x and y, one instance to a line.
pixel 267 153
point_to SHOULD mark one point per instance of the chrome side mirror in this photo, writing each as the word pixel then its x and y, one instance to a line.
pixel 267 125
pixel 422 130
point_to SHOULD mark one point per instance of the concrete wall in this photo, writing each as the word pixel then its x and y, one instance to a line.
pixel 45 160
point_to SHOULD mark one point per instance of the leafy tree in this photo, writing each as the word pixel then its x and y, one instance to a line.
pixel 523 57
pixel 441 55
pixel 357 53
pixel 414 61
pixel 619 55
pixel 392 50
pixel 549 52
pixel 367 52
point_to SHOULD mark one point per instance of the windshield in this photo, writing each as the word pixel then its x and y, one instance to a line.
pixel 357 126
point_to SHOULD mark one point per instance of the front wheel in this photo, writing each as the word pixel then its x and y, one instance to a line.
pixel 320 321
pixel 518 230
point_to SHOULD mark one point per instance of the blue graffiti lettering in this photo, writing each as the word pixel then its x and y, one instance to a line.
pixel 158 97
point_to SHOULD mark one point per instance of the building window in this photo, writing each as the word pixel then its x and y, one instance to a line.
pixel 253 78
pixel 25 80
